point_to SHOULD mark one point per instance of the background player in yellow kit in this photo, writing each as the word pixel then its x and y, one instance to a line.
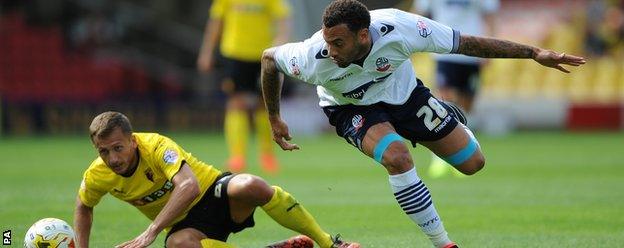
pixel 198 204
pixel 244 29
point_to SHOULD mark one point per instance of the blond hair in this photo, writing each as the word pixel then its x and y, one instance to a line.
pixel 105 123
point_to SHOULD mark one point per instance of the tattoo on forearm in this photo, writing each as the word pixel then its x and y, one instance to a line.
pixel 271 83
pixel 493 48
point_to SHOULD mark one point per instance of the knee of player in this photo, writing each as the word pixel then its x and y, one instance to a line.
pixel 399 160
pixel 251 187
pixel 181 242
pixel 474 164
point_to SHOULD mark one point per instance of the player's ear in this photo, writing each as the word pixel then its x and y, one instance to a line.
pixel 133 140
pixel 363 35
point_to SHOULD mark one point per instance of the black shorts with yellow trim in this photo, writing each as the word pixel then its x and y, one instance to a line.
pixel 211 214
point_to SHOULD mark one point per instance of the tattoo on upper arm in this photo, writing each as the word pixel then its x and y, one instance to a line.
pixel 271 84
pixel 493 48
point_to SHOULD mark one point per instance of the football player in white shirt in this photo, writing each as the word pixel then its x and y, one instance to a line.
pixel 457 75
pixel 367 88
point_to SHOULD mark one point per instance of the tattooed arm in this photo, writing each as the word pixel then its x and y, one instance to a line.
pixel 271 91
pixel 271 83
pixel 495 48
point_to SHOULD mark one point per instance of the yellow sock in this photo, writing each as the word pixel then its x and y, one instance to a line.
pixel 286 211
pixel 236 125
pixel 263 132
pixel 213 243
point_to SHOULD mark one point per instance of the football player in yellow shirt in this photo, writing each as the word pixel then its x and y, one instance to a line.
pixel 196 203
pixel 243 29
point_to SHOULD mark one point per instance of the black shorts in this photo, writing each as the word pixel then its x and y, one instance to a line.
pixel 416 120
pixel 463 77
pixel 211 215
pixel 244 75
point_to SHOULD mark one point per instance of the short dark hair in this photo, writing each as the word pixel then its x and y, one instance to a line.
pixel 350 12
pixel 105 123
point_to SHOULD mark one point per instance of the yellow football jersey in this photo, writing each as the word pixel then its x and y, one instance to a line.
pixel 248 26
pixel 149 188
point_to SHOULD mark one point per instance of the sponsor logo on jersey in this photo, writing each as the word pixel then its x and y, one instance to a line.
pixel 168 186
pixel 170 157
pixel 385 29
pixel 382 63
pixel 423 30
pixel 294 66
pixel 358 93
pixel 341 77
pixel 357 122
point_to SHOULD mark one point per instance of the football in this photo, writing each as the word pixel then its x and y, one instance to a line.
pixel 50 232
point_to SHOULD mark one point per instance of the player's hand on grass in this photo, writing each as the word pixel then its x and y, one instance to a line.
pixel 281 136
pixel 145 239
pixel 556 60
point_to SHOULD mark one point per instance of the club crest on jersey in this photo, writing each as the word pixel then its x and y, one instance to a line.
pixel 382 63
pixel 357 122
pixel 423 30
pixel 294 66
pixel 170 157
pixel 149 174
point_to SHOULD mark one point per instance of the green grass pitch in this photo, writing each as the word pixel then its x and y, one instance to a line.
pixel 539 189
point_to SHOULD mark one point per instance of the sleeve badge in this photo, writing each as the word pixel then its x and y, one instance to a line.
pixel 170 156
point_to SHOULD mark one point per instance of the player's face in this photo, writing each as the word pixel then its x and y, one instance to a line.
pixel 118 151
pixel 345 46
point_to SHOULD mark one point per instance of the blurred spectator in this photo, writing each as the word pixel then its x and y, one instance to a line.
pixel 86 29
pixel 605 27
pixel 244 28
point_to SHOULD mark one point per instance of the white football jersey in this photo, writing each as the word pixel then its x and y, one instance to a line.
pixel 387 74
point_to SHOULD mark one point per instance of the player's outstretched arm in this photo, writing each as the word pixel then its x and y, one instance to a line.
pixel 83 218
pixel 494 48
pixel 186 189
pixel 271 91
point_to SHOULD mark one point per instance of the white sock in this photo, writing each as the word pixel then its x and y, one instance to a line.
pixel 415 200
